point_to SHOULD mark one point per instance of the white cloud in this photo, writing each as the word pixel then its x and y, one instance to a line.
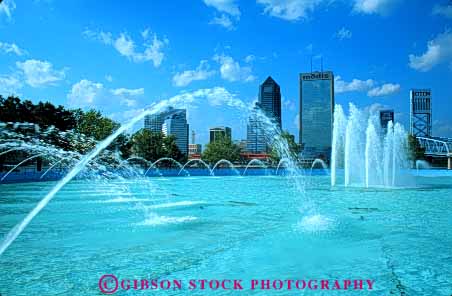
pixel 217 96
pixel 224 21
pixel 202 72
pixel 128 92
pixel 7 7
pixel 370 86
pixel 11 48
pixel 86 93
pixel 126 46
pixel 381 7
pixel 109 78
pixel 226 6
pixel 250 58
pixel 40 73
pixel 443 10
pixel 344 33
pixel 341 86
pixel 290 10
pixel 384 90
pixel 232 71
pixel 439 50
pixel 9 85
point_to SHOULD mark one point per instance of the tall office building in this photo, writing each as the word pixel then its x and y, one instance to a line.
pixel 270 99
pixel 385 117
pixel 255 133
pixel 176 124
pixel 316 113
pixel 220 132
pixel 154 122
pixel 269 103
pixel 421 112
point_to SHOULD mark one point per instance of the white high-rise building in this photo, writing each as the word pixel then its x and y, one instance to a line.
pixel 176 124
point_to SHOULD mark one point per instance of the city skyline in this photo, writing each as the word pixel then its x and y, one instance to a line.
pixel 121 58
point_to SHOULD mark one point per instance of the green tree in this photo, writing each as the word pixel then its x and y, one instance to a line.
pixel 221 148
pixel 294 148
pixel 415 151
pixel 44 114
pixel 147 144
pixel 93 124
pixel 171 149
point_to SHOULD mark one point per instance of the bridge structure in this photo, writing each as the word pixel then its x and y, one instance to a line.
pixel 437 147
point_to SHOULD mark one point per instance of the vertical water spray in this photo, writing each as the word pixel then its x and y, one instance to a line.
pixel 337 149
pixel 372 157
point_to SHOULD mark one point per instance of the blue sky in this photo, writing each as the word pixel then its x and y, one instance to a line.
pixel 121 56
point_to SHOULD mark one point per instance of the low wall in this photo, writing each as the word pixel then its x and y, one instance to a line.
pixel 54 175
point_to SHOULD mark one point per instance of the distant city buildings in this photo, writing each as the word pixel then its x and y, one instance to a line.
pixel 194 149
pixel 170 122
pixel 421 112
pixel 220 132
pixel 154 122
pixel 269 103
pixel 316 113
pixel 385 117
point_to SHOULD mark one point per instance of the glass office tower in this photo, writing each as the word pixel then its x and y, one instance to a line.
pixel 270 99
pixel 176 124
pixel 255 133
pixel 316 113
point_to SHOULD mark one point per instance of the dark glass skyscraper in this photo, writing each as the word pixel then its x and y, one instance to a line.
pixel 269 102
pixel 219 132
pixel 255 132
pixel 316 113
pixel 270 99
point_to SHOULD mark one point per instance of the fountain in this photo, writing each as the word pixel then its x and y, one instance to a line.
pixel 153 165
pixel 370 155
pixel 258 161
pixel 196 160
pixel 422 164
pixel 281 161
pixel 221 161
pixel 273 133
pixel 57 162
pixel 19 164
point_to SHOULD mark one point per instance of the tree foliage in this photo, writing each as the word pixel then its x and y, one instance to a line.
pixel 415 151
pixel 153 146
pixel 221 148
pixel 45 114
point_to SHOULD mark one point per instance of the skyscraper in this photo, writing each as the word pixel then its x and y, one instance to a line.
pixel 421 112
pixel 269 102
pixel 385 117
pixel 154 122
pixel 255 133
pixel 316 113
pixel 216 133
pixel 270 99
pixel 176 124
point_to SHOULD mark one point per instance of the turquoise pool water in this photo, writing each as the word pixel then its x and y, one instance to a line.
pixel 259 227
